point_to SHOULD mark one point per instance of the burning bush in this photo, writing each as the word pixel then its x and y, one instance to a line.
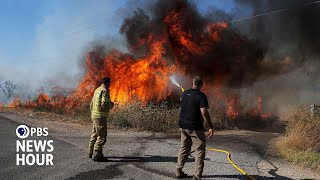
pixel 16 102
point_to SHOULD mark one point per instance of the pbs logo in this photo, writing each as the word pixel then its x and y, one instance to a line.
pixel 22 131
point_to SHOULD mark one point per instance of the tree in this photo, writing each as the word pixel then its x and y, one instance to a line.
pixel 8 88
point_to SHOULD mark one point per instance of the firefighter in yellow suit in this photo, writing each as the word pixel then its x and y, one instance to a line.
pixel 99 106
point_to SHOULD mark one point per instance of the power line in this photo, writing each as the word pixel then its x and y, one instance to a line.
pixel 85 29
pixel 71 34
pixel 272 12
pixel 68 27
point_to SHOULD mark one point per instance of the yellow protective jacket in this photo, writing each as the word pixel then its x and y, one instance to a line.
pixel 100 104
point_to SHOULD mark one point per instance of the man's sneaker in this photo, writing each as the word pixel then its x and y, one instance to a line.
pixel 180 174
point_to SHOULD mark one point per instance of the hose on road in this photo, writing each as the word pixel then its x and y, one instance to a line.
pixel 231 162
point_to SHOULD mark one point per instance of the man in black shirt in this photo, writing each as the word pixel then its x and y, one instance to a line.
pixel 193 115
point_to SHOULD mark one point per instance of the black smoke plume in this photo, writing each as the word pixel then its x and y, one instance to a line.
pixel 293 32
pixel 237 59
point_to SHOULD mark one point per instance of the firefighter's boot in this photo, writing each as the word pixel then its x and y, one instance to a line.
pixel 98 156
pixel 90 151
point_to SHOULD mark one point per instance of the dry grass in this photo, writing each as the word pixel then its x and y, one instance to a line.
pixel 159 118
pixel 220 120
pixel 302 138
pixel 79 113
pixel 303 131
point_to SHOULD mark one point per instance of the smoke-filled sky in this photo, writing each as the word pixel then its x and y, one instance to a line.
pixel 43 41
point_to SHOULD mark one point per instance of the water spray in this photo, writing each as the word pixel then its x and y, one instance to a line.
pixel 175 82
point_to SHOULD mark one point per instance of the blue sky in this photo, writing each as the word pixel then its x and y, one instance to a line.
pixel 44 39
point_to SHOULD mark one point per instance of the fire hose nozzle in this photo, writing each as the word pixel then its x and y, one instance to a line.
pixel 182 89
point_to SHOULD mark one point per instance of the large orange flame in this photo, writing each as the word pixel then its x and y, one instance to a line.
pixel 145 78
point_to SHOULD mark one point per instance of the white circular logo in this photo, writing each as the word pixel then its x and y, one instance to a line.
pixel 22 131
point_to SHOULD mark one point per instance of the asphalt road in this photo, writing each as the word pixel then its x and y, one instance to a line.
pixel 136 155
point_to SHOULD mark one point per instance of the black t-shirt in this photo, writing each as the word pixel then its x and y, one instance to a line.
pixel 190 114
